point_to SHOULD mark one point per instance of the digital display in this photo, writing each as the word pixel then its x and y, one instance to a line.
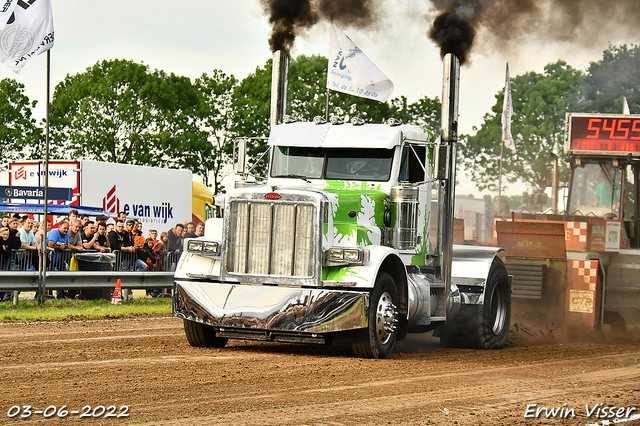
pixel 612 133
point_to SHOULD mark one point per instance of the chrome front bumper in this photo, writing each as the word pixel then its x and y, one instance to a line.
pixel 270 308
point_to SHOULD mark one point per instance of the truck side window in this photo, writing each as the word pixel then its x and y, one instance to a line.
pixel 410 168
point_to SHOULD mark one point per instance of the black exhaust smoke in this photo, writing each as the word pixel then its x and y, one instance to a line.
pixel 453 35
pixel 290 18
pixel 506 23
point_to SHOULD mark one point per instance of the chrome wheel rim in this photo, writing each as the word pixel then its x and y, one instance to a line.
pixel 498 311
pixel 385 318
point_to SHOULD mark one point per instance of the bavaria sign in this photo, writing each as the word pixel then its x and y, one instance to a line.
pixel 35 193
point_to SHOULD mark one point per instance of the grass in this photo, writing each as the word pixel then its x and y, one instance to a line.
pixel 68 309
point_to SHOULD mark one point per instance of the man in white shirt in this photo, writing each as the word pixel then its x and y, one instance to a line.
pixel 29 258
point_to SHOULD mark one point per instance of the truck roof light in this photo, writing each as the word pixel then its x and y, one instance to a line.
pixel 288 119
pixel 318 119
pixel 357 121
pixel 336 120
pixel 394 122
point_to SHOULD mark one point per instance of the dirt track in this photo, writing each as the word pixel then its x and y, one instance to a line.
pixel 148 365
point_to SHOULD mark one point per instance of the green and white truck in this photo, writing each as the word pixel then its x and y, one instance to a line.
pixel 342 237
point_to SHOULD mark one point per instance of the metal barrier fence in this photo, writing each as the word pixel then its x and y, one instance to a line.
pixel 128 261
pixel 20 260
pixel 27 260
pixel 19 272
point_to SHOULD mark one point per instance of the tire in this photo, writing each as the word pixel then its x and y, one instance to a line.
pixel 377 340
pixel 202 335
pixel 483 326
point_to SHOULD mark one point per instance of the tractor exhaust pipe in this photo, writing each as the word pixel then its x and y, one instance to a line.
pixel 279 86
pixel 447 166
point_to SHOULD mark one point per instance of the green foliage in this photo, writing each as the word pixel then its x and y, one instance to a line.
pixel 616 75
pixel 208 151
pixel 540 102
pixel 118 111
pixel 21 137
pixel 251 104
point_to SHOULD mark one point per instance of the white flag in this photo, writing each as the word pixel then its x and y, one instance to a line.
pixel 27 33
pixel 6 10
pixel 507 112
pixel 625 106
pixel 350 71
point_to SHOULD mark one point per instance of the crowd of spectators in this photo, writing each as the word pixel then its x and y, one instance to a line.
pixel 21 238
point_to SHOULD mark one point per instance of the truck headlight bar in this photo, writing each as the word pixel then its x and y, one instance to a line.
pixel 354 256
pixel 394 122
pixel 211 248
pixel 357 121
pixel 318 119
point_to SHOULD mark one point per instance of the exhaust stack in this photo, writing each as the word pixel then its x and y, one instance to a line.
pixel 448 144
pixel 279 86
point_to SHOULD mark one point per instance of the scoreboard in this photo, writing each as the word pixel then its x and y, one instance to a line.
pixel 603 134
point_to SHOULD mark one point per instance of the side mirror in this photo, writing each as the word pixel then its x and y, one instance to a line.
pixel 241 155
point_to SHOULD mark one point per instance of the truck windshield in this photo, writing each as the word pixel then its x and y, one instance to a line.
pixel 596 189
pixel 332 163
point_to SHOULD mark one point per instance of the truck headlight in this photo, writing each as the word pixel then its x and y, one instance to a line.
pixel 347 255
pixel 195 246
pixel 211 248
pixel 353 255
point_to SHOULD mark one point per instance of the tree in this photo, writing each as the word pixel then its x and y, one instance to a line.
pixel 119 111
pixel 21 137
pixel 616 75
pixel 540 102
pixel 210 147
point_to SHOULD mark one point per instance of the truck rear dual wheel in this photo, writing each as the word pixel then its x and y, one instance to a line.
pixel 377 340
pixel 483 326
pixel 202 335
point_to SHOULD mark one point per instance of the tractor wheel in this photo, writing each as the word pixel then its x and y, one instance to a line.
pixel 377 340
pixel 483 326
pixel 202 335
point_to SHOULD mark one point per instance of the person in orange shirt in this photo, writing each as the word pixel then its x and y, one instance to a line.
pixel 138 238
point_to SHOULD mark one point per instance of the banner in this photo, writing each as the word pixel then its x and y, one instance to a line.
pixel 28 32
pixel 350 71
pixel 6 9
pixel 507 112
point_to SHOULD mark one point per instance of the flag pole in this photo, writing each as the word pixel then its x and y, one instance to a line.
pixel 42 287
pixel 500 180
pixel 507 111
pixel 326 113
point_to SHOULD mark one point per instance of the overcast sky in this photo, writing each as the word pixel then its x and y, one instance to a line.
pixel 196 36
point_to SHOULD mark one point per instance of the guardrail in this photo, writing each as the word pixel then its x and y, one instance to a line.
pixel 65 280
pixel 20 272
pixel 27 260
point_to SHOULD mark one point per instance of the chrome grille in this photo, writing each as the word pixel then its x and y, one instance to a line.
pixel 266 238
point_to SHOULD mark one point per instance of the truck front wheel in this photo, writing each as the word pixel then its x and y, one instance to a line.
pixel 202 335
pixel 484 326
pixel 377 340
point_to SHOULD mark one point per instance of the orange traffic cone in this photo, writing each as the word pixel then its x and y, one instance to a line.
pixel 117 294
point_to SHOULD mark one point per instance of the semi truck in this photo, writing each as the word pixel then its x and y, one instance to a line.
pixel 338 240
pixel 158 197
